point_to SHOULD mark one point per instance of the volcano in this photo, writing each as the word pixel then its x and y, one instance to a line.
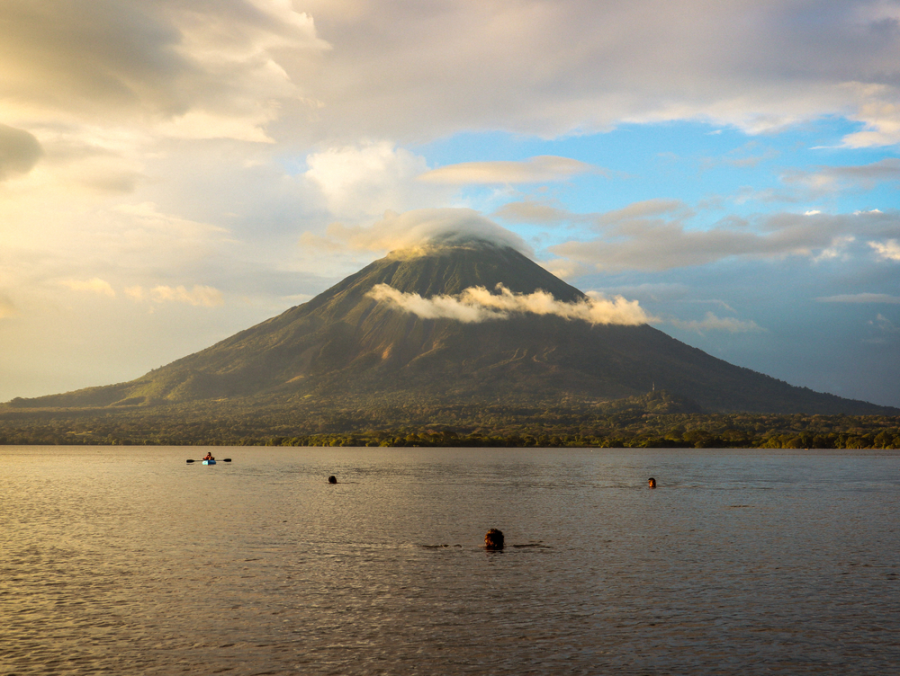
pixel 348 343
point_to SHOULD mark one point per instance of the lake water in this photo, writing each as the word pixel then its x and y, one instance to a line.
pixel 128 560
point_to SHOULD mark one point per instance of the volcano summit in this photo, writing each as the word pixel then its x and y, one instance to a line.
pixel 456 323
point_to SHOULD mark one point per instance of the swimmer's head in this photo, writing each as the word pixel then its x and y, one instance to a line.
pixel 493 539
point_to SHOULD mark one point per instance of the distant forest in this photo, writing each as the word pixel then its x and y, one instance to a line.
pixel 656 420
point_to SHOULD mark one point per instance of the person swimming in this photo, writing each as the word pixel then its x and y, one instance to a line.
pixel 651 482
pixel 493 539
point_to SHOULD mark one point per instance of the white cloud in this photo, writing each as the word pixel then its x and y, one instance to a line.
pixel 205 296
pixel 258 70
pixel 643 210
pixel 543 169
pixel 566 269
pixel 96 285
pixel 889 250
pixel 661 244
pixel 824 180
pixel 711 322
pixel 861 298
pixel 531 211
pixel 477 304
pixel 884 324
pixel 415 228
pixel 879 112
pixel 555 68
pixel 365 180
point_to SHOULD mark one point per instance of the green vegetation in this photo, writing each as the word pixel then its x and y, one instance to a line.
pixel 656 420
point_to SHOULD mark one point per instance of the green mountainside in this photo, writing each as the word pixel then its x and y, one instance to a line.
pixel 344 347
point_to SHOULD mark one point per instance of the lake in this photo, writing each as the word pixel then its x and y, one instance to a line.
pixel 128 560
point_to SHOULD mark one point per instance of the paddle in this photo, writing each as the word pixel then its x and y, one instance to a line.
pixel 223 460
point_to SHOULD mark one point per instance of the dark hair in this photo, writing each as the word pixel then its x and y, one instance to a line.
pixel 493 539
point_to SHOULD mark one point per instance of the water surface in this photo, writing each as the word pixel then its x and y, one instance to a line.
pixel 128 560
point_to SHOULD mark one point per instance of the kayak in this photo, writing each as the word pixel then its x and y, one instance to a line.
pixel 209 462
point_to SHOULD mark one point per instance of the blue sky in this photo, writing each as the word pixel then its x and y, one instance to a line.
pixel 175 172
pixel 783 326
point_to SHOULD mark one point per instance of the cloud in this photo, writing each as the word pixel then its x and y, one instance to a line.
pixel 142 233
pixel 889 250
pixel 645 209
pixel 861 298
pixel 543 169
pixel 713 323
pixel 477 304
pixel 7 307
pixel 530 211
pixel 95 285
pixel 885 325
pixel 824 180
pixel 367 179
pixel 422 227
pixel 880 114
pixel 195 70
pixel 663 244
pixel 19 151
pixel 566 269
pixel 205 296
pixel 260 71
pixel 579 67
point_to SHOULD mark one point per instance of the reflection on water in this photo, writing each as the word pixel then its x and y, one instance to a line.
pixel 129 560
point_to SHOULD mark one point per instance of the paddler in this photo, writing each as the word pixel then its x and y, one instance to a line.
pixel 209 456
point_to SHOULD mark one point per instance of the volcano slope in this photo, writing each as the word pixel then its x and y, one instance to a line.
pixel 346 346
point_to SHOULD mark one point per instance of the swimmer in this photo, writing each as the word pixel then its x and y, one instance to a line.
pixel 493 539
pixel 332 480
pixel 651 482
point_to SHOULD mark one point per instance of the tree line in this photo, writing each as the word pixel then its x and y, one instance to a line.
pixel 422 426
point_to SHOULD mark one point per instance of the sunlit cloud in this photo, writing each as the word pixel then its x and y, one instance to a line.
pixel 185 70
pixel 585 67
pixel 566 269
pixel 415 228
pixel 880 114
pixel 644 210
pixel 531 211
pixel 96 285
pixel 543 169
pixel 478 304
pixel 205 296
pixel 889 250
pixel 666 243
pixel 368 179
pixel 7 307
